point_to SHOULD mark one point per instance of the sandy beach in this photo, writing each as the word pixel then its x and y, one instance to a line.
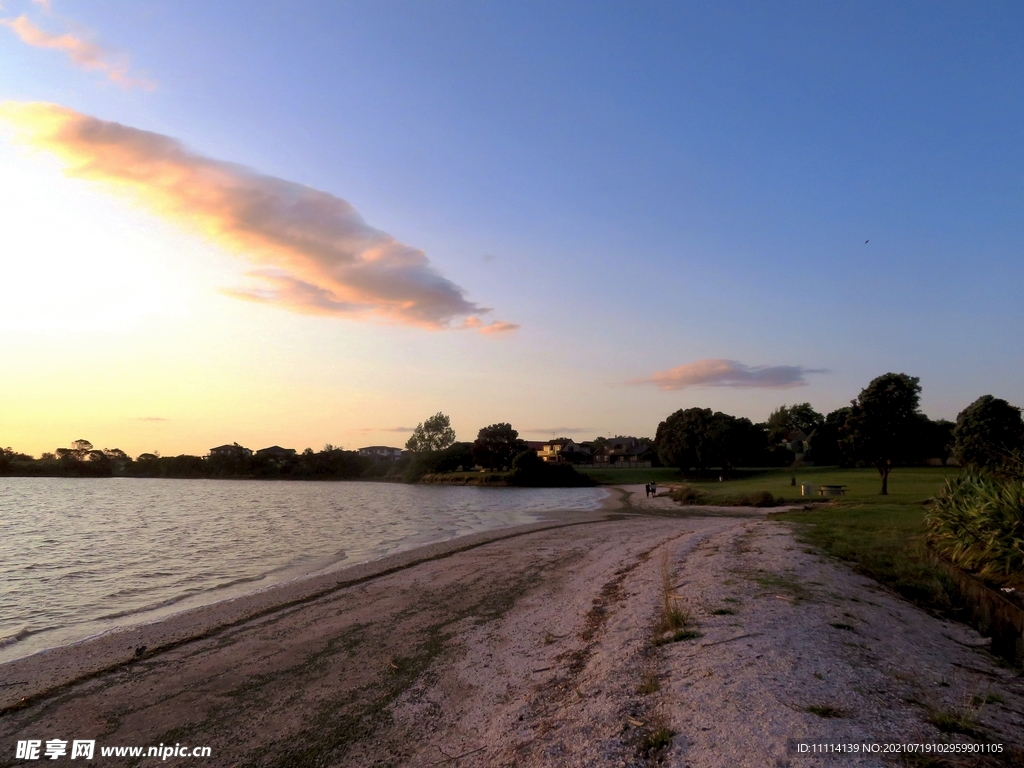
pixel 538 646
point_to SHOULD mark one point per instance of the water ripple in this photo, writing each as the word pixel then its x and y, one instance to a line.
pixel 81 556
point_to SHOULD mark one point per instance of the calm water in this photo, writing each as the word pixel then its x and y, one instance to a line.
pixel 79 557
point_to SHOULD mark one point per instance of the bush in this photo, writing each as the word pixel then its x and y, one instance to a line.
pixel 687 494
pixel 529 470
pixel 977 522
pixel 452 459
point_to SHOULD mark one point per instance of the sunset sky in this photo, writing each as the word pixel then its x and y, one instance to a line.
pixel 310 223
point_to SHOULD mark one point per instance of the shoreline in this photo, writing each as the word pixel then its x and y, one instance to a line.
pixel 545 644
pixel 44 671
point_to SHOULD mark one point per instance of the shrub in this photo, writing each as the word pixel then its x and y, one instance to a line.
pixel 977 522
pixel 687 494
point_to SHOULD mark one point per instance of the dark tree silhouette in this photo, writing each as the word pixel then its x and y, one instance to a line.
pixel 882 424
pixel 988 432
pixel 496 446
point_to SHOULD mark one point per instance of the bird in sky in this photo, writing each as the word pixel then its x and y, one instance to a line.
pixel 866 242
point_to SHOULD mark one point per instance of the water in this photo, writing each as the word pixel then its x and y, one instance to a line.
pixel 83 556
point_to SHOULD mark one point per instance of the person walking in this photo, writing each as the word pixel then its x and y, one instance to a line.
pixel 647 490
pixel 654 489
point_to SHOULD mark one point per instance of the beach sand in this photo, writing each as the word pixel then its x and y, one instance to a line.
pixel 537 646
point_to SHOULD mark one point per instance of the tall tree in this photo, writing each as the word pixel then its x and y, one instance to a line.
pixel 826 448
pixel 434 434
pixel 988 432
pixel 496 446
pixel 882 424
pixel 694 437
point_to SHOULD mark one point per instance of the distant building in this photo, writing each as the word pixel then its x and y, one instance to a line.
pixel 381 452
pixel 554 451
pixel 798 442
pixel 622 452
pixel 275 452
pixel 233 451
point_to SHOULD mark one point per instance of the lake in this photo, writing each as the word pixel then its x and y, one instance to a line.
pixel 82 556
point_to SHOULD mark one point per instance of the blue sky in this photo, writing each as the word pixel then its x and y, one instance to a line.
pixel 638 187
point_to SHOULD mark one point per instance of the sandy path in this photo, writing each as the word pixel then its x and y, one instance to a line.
pixel 537 650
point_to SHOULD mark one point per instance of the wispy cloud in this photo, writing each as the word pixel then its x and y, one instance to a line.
pixel 386 429
pixel 83 53
pixel 729 373
pixel 150 418
pixel 315 253
pixel 559 430
pixel 497 326
pixel 46 5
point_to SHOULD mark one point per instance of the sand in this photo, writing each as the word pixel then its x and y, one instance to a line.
pixel 536 646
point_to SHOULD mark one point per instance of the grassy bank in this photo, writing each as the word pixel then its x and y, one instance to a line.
pixel 882 541
pixel 628 476
pixel 882 537
pixel 907 485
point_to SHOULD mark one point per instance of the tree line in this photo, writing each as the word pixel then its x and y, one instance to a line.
pixel 882 428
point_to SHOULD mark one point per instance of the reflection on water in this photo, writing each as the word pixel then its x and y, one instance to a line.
pixel 80 556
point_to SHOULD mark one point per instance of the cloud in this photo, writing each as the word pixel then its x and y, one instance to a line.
pixel 85 54
pixel 498 326
pixel 315 254
pixel 46 5
pixel 560 430
pixel 729 373
pixel 150 418
pixel 386 429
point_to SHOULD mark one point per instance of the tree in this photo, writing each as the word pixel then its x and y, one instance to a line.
pixel 787 418
pixel 934 439
pixel 81 449
pixel 496 446
pixel 882 423
pixel 695 437
pixel 987 432
pixel 826 448
pixel 434 434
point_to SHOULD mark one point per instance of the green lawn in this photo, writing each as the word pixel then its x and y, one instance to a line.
pixel 907 485
pixel 628 476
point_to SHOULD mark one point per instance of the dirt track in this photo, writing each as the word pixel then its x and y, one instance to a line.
pixel 538 650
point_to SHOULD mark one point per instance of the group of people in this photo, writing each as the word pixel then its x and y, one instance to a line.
pixel 652 489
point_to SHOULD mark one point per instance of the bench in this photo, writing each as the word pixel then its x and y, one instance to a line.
pixel 832 490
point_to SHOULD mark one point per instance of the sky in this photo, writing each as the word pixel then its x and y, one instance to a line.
pixel 300 224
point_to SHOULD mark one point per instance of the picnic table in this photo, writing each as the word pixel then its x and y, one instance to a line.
pixel 832 490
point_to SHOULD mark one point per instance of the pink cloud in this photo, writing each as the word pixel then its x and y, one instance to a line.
pixel 315 253
pixel 85 54
pixel 729 373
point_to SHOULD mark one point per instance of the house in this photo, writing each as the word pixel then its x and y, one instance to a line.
pixel 275 453
pixel 233 451
pixel 622 452
pixel 798 442
pixel 554 451
pixel 381 452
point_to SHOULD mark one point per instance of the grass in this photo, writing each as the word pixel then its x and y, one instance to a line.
pixel 649 684
pixel 883 537
pixel 631 476
pixel 885 541
pixel 655 741
pixel 907 485
pixel 961 721
pixel 674 619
